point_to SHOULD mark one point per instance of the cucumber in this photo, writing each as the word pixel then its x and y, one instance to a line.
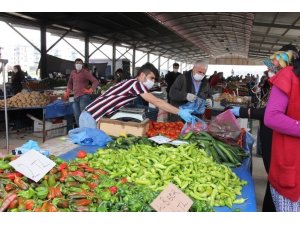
pixel 228 154
pixel 220 153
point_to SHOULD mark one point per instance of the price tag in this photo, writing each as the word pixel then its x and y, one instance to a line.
pixel 172 199
pixel 160 139
pixel 178 142
pixel 33 165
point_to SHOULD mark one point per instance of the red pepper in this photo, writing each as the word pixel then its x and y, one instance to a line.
pixel 124 180
pixel 20 183
pixel 77 173
pixel 64 174
pixel 63 166
pixel 89 169
pixel 92 185
pixel 29 204
pixel 9 187
pixel 113 190
pixel 81 154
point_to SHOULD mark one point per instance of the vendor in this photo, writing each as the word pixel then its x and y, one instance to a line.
pixel 79 84
pixel 124 93
pixel 191 85
pixel 16 80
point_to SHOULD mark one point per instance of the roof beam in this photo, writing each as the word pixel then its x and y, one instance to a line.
pixel 276 25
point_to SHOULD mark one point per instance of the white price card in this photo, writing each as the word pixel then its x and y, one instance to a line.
pixel 33 165
pixel 178 142
pixel 172 199
pixel 160 139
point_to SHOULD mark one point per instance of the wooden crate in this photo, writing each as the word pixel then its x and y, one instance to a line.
pixel 116 127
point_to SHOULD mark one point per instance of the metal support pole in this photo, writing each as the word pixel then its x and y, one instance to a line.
pixel 148 57
pixel 65 34
pixel 158 64
pixel 73 47
pixel 113 57
pixel 123 54
pixel 26 39
pixel 181 67
pixel 4 62
pixel 133 61
pixel 86 48
pixel 44 69
pixel 168 62
pixel 98 49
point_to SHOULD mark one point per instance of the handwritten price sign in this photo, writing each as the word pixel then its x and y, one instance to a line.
pixel 33 165
pixel 172 199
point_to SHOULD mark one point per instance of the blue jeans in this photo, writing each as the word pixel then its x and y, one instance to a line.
pixel 86 120
pixel 79 105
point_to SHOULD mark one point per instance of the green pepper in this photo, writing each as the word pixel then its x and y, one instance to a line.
pixel 78 178
pixel 51 180
pixel 105 195
pixel 85 186
pixel 27 194
pixel 42 192
pixel 4 165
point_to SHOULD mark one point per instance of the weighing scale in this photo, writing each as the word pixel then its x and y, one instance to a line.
pixel 130 114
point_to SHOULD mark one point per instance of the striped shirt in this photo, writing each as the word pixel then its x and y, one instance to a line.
pixel 116 97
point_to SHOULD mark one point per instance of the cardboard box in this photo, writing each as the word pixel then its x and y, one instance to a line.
pixel 116 127
pixel 52 129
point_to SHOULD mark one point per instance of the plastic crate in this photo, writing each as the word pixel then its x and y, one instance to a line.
pixel 51 129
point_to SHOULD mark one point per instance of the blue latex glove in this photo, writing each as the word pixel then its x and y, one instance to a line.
pixel 186 115
pixel 235 111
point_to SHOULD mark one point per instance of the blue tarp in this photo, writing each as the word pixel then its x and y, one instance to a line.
pixel 58 108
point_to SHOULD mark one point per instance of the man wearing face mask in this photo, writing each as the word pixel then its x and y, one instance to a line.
pixel 79 83
pixel 171 77
pixel 191 85
pixel 124 93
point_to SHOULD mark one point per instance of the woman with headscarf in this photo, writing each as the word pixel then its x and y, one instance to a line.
pixel 265 133
pixel 283 117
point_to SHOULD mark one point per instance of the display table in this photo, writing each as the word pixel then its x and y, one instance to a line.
pixel 53 110
pixel 242 172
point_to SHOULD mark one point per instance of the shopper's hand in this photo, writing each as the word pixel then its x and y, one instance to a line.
pixel 67 95
pixel 186 115
pixel 191 97
pixel 235 111
pixel 208 103
pixel 88 91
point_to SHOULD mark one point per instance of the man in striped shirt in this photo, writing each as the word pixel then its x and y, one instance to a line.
pixel 123 93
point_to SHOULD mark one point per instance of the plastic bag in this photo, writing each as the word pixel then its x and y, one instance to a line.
pixel 89 136
pixel 225 127
pixel 198 106
pixel 196 127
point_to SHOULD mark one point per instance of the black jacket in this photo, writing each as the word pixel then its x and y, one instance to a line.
pixel 265 133
pixel 170 79
pixel 184 85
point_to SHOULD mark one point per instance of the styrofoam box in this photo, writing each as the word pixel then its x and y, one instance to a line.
pixel 38 128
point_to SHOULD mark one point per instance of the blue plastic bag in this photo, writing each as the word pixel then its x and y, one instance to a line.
pixel 248 142
pixel 89 136
pixel 198 106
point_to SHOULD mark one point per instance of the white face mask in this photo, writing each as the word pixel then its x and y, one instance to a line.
pixel 175 70
pixel 15 71
pixel 149 84
pixel 270 74
pixel 198 76
pixel 78 67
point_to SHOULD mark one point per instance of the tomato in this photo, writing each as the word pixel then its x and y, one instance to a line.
pixel 81 154
pixel 113 190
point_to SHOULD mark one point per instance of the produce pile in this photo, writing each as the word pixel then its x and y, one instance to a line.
pixel 232 98
pixel 226 154
pixel 71 187
pixel 26 99
pixel 186 166
pixel 127 176
pixel 169 129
